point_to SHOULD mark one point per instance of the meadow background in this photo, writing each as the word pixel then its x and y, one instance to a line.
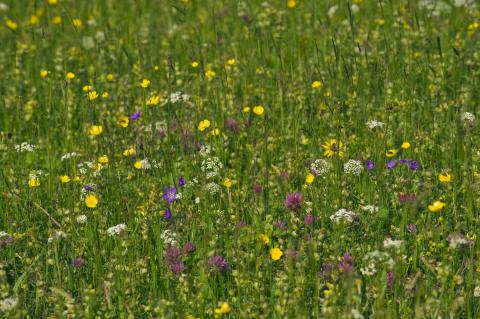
pixel 239 159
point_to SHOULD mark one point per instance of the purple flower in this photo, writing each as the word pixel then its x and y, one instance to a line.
pixel 391 164
pixel 78 262
pixel 9 240
pixel 168 214
pixel 414 165
pixel 135 116
pixel 390 279
pixel 280 224
pixel 231 125
pixel 189 247
pixel 173 257
pixel 405 160
pixel 346 263
pixel 218 263
pixel 242 224
pixel 181 182
pixel 293 200
pixel 326 271
pixel 370 165
pixel 162 134
pixel 402 197
pixel 309 219
pixel 87 187
pixel 170 194
pixel 291 253
pixel 257 189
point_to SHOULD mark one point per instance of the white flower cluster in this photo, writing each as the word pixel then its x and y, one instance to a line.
pixel 82 219
pixel 391 243
pixel 205 150
pixel 116 230
pixel 353 167
pixel 169 237
pixel 212 188
pixel 25 147
pixel 343 214
pixel 57 235
pixel 178 97
pixel 374 123
pixel 467 117
pixel 3 234
pixel 476 292
pixel 374 258
pixel 319 167
pixel 457 241
pixel 370 209
pixel 68 156
pixel 211 166
pixel 8 304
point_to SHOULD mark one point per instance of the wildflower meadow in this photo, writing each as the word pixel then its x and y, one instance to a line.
pixel 239 159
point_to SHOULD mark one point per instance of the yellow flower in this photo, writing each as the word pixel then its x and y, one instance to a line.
pixel 77 23
pixel 203 125
pixel 246 109
pixel 209 74
pixel 12 25
pixel 310 178
pixel 34 20
pixel 123 121
pixel 391 153
pixel 215 132
pixel 153 100
pixel 444 177
pixel 95 130
pixel 91 201
pixel 103 159
pixel 57 20
pixel 291 4
pixel 33 182
pixel 194 64
pixel 331 148
pixel 227 183
pixel 104 95
pixel 52 2
pixel 87 88
pixel 231 62
pixel 258 110
pixel 44 73
pixel 276 253
pixel 110 77
pixel 264 239
pixel 129 152
pixel 405 145
pixel 77 178
pixel 316 84
pixel 64 179
pixel 138 164
pixel 145 83
pixel 70 75
pixel 92 95
pixel 436 206
pixel 224 308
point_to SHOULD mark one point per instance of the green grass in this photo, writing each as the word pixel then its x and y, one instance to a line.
pixel 412 65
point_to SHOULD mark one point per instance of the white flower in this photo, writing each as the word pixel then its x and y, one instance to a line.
pixel 68 156
pixel 332 11
pixel 57 235
pixel 374 123
pixel 476 292
pixel 467 117
pixel 319 167
pixel 356 314
pixel 8 304
pixel 343 214
pixel 25 147
pixel 3 234
pixel 116 230
pixel 82 219
pixel 169 237
pixel 370 208
pixel 353 167
pixel 212 188
pixel 178 96
pixel 211 167
pixel 390 243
